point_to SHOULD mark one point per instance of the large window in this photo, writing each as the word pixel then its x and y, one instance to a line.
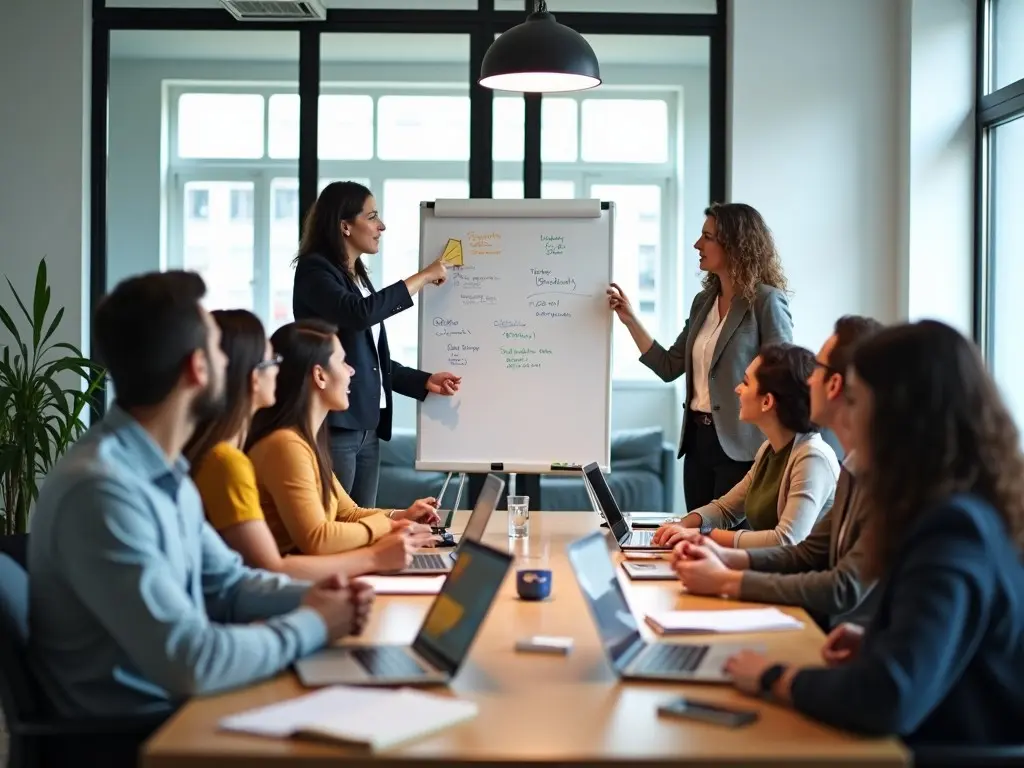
pixel 616 145
pixel 232 197
pixel 1001 259
pixel 236 213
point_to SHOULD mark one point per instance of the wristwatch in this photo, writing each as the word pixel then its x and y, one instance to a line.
pixel 770 677
pixel 705 527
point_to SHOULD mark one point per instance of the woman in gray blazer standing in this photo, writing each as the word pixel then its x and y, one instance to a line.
pixel 742 306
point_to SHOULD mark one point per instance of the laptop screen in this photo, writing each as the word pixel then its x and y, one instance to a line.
pixel 603 594
pixel 459 610
pixel 485 504
pixel 609 506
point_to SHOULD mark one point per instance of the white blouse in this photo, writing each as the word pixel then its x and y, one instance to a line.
pixel 703 351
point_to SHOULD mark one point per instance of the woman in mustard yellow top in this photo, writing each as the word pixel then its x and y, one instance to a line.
pixel 226 479
pixel 307 509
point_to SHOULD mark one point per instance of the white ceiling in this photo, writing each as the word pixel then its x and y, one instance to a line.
pixel 263 45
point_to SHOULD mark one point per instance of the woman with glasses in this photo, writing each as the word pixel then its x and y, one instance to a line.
pixel 307 509
pixel 742 306
pixel 938 455
pixel 227 481
pixel 793 480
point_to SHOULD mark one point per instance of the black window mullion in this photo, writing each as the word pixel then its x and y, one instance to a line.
pixel 309 118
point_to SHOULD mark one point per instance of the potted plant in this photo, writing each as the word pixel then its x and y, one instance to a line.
pixel 45 388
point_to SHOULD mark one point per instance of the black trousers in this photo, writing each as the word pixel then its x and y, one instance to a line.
pixel 707 471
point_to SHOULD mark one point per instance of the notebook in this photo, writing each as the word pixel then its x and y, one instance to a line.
pixel 650 570
pixel 735 620
pixel 372 718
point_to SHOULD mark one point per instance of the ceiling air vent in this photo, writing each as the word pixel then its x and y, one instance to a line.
pixel 276 10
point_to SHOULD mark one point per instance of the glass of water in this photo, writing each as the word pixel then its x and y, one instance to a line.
pixel 518 517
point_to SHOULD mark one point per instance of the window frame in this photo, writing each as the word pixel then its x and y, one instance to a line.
pixel 994 108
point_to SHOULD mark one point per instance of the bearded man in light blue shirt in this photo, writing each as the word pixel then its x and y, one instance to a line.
pixel 135 601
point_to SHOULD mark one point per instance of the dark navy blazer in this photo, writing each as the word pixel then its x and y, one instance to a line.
pixel 323 290
pixel 943 660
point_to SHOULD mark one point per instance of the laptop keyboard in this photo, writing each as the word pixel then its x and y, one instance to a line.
pixel 641 538
pixel 388 662
pixel 423 562
pixel 665 657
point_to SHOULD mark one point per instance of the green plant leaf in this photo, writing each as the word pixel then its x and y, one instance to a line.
pixel 21 304
pixel 8 321
pixel 40 303
pixel 53 326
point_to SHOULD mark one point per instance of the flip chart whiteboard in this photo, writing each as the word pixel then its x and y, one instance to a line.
pixel 525 321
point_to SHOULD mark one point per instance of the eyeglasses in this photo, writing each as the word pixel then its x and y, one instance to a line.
pixel 269 363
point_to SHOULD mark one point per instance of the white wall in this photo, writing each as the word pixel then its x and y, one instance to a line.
pixel 851 130
pixel 814 100
pixel 45 55
pixel 938 150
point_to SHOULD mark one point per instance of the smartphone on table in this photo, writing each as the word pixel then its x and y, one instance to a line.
pixel 707 712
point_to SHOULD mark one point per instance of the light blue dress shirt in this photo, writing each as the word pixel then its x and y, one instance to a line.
pixel 135 602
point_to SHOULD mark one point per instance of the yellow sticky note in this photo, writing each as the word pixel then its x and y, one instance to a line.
pixel 452 255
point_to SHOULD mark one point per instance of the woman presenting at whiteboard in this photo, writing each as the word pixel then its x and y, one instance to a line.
pixel 332 284
pixel 741 307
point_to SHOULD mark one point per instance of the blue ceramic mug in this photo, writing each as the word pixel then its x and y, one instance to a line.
pixel 533 583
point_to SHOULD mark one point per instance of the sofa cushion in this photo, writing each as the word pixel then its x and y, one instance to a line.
pixel 637 449
pixel 400 450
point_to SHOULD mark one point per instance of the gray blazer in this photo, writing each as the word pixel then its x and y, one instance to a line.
pixel 818 574
pixel 746 329
pixel 806 493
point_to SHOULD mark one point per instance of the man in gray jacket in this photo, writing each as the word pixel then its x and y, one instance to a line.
pixel 821 573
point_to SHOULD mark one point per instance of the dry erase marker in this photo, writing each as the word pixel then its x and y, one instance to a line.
pixel 562 466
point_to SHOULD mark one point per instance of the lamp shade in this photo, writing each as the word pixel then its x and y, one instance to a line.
pixel 540 56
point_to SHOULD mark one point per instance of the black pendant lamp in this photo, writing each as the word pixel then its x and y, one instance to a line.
pixel 540 56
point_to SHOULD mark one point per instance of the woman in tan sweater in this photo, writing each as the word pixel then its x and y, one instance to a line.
pixel 305 506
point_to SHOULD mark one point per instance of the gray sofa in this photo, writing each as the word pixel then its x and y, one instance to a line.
pixel 642 475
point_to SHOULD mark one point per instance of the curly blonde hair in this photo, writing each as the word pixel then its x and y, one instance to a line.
pixel 749 248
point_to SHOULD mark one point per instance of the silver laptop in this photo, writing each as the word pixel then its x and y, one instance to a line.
pixel 604 503
pixel 442 644
pixel 425 563
pixel 632 657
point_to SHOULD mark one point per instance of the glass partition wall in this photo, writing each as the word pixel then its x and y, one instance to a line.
pixel 212 137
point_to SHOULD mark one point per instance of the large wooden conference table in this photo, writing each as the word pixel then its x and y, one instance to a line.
pixel 543 709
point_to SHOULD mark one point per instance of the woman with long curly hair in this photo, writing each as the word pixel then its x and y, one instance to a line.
pixel 943 658
pixel 742 307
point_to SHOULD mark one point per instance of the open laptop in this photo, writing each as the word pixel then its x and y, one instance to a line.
pixel 604 503
pixel 442 644
pixel 425 563
pixel 632 657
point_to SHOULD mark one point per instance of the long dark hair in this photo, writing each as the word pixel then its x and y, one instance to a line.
pixel 939 427
pixel 750 248
pixel 783 372
pixel 244 341
pixel 321 232
pixel 302 345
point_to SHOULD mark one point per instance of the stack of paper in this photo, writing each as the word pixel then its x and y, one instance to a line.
pixel 736 620
pixel 405 585
pixel 372 718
